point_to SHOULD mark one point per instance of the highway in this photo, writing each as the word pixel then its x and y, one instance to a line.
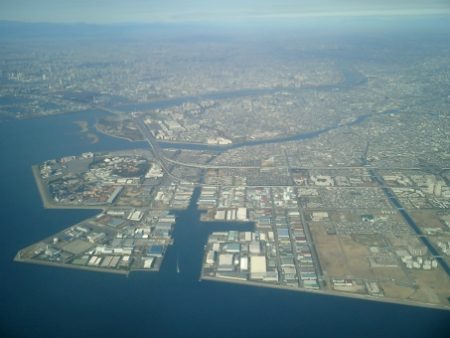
pixel 154 147
pixel 162 160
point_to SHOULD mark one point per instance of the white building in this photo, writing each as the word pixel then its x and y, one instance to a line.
pixel 258 267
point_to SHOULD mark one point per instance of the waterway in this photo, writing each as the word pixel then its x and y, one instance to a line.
pixel 388 192
pixel 40 301
pixel 351 78
pixel 250 143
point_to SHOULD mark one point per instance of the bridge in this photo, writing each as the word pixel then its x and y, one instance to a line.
pixel 154 147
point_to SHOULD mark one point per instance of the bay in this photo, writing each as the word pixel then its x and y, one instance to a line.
pixel 40 301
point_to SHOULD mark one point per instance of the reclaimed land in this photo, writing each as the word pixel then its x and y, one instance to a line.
pixel 70 266
pixel 47 201
pixel 323 292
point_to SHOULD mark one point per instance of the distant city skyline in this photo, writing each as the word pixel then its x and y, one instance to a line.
pixel 104 11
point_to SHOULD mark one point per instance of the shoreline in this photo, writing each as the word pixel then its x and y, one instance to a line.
pixel 70 266
pixel 324 293
pixel 115 136
pixel 212 146
pixel 49 204
pixel 169 142
pixel 80 267
pixel 40 185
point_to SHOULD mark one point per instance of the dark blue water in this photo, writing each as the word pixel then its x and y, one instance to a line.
pixel 38 301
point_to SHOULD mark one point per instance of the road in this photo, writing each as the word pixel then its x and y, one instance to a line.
pixel 391 196
pixel 162 160
pixel 154 147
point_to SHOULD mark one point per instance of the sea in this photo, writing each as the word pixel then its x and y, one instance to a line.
pixel 42 301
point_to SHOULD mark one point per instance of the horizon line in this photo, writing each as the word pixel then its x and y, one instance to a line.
pixel 175 19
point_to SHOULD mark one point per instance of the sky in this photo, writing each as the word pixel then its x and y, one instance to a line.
pixel 119 11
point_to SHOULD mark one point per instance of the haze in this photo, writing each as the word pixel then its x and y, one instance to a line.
pixel 104 11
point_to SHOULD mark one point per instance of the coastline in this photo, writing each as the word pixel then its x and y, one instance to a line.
pixel 101 131
pixel 49 204
pixel 70 266
pixel 214 146
pixel 42 190
pixel 325 293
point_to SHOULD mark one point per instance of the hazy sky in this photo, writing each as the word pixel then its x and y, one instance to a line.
pixel 109 11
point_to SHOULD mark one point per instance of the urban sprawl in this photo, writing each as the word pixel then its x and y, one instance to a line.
pixel 336 175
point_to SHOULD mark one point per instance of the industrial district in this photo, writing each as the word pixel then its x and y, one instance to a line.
pixel 359 231
pixel 331 176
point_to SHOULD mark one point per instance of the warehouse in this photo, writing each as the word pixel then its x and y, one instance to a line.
pixel 258 267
